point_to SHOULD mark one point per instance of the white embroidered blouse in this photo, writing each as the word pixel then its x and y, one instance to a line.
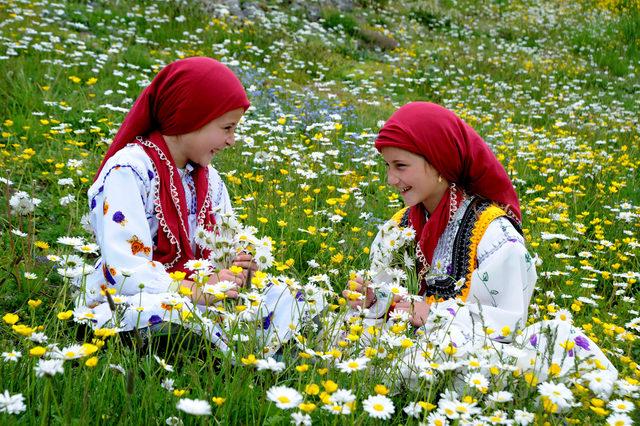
pixel 126 227
pixel 501 285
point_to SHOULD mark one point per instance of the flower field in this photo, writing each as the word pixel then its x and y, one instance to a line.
pixel 552 86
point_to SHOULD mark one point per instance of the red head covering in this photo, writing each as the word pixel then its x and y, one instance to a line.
pixel 456 151
pixel 184 96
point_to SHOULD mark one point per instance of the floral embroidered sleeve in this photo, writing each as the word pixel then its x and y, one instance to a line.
pixel 500 291
pixel 123 232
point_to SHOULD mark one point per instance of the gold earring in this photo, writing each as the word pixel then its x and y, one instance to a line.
pixel 439 178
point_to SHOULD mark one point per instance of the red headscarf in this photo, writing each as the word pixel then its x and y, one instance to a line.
pixel 458 153
pixel 183 97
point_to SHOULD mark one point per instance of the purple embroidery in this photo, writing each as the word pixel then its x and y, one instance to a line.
pixel 582 342
pixel 155 319
pixel 93 203
pixel 266 322
pixel 107 274
pixel 534 340
pixel 451 311
pixel 118 217
pixel 299 296
pixel 150 174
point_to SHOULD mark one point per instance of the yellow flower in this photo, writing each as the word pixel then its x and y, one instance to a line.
pixel 381 389
pixel 307 407
pixel 42 245
pixel 249 360
pixel 34 303
pixel 105 332
pixel 554 369
pixel 236 270
pixel 11 318
pixel 427 406
pixel 406 343
pixel 91 362
pixel 184 291
pixel 312 389
pixel 302 368
pixel 179 392
pixel 330 386
pixel 63 316
pixel 548 405
pixel 92 81
pixel 506 330
pixel 599 411
pixel 450 350
pixel 22 329
pixel 177 275
pixel 531 379
pixel 218 400
pixel 88 349
pixel 568 345
pixel 263 220
pixel 37 351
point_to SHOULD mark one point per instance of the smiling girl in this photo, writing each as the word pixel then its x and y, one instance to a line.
pixel 474 272
pixel 154 188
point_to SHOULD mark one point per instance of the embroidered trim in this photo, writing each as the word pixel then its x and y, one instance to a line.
pixel 486 217
pixel 463 259
pixel 156 201
pixel 399 216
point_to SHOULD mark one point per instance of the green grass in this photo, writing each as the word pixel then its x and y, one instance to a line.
pixel 551 85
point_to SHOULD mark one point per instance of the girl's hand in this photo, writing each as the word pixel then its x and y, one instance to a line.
pixel 363 287
pixel 246 262
pixel 227 275
pixel 418 311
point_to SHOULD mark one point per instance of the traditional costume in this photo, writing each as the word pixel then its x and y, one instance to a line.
pixel 471 260
pixel 145 211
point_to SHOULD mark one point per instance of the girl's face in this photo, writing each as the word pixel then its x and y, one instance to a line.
pixel 201 145
pixel 414 177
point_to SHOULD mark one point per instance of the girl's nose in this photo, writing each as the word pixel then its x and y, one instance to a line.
pixel 392 179
pixel 231 140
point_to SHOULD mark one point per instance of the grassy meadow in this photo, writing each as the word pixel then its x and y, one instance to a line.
pixel 552 86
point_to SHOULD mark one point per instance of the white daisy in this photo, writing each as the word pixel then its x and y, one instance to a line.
pixel 163 363
pixel 343 396
pixel 557 393
pixel 284 397
pixel 270 364
pixel 351 365
pixel 378 407
pixel 196 407
pixel 12 404
pixel 300 419
pixel 413 409
pixel 619 419
pixel 49 367
pixel 523 417
pixel 71 241
pixel 621 405
pixel 501 396
pixel 11 356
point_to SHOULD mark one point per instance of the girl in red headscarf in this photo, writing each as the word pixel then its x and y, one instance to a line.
pixel 154 188
pixel 475 277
